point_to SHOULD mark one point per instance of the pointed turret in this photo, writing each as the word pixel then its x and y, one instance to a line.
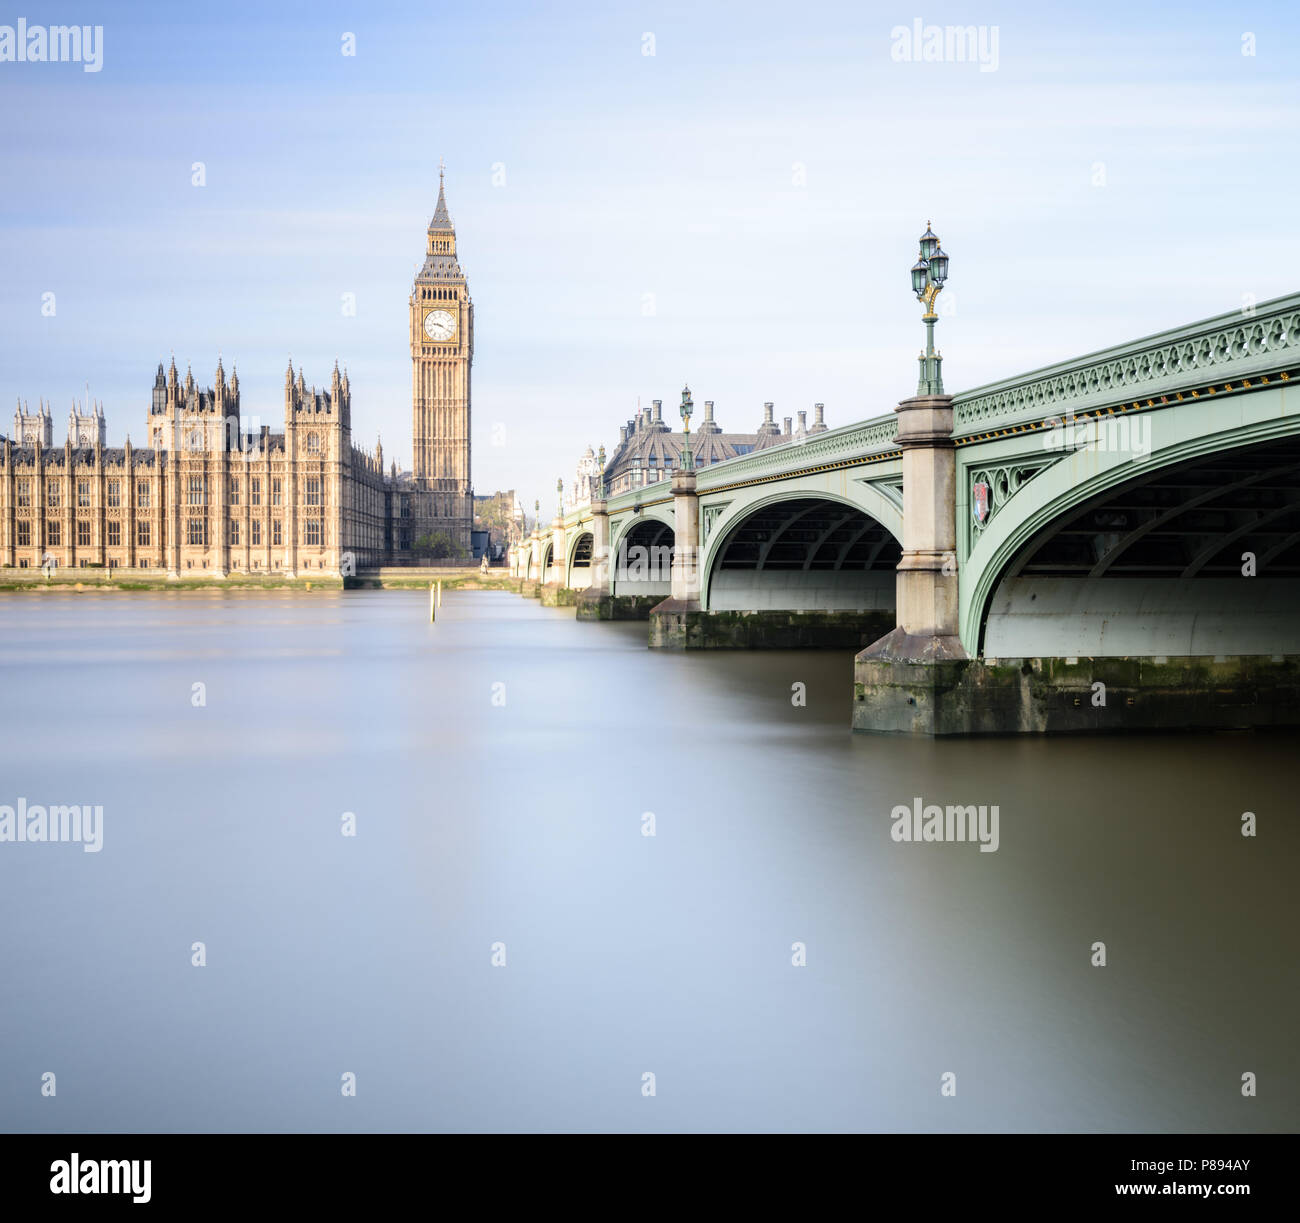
pixel 440 245
pixel 441 217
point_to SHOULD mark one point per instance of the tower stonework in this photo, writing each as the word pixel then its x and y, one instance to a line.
pixel 442 351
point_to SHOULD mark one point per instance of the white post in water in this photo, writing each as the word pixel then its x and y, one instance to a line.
pixel 432 604
pixel 440 592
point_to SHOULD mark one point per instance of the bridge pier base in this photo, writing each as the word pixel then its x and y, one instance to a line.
pixel 601 605
pixel 673 628
pixel 553 594
pixel 896 694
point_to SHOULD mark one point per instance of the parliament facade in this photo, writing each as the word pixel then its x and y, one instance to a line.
pixel 206 496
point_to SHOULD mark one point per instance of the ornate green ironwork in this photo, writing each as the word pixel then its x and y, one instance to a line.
pixel 1258 341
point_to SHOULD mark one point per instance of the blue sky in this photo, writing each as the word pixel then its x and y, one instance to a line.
pixel 1126 168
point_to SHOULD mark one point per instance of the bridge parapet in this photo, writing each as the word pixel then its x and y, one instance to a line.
pixel 1229 347
pixel 845 445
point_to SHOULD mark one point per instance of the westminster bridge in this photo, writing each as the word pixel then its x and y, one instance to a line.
pixel 1110 542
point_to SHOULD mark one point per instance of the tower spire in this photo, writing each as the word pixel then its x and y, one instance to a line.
pixel 441 217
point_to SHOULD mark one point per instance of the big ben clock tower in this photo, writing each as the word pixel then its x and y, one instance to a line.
pixel 442 350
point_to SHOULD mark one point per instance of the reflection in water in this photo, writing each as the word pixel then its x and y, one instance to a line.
pixel 481 822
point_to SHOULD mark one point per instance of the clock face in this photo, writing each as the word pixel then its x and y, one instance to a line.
pixel 439 325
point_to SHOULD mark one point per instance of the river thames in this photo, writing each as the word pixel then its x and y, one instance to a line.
pixel 502 768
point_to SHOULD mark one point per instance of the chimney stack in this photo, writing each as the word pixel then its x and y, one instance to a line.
pixel 709 425
pixel 768 427
pixel 786 430
pixel 803 422
pixel 819 425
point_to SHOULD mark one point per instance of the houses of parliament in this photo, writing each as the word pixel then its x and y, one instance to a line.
pixel 206 496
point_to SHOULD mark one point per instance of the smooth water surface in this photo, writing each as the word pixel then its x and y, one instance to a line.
pixel 500 765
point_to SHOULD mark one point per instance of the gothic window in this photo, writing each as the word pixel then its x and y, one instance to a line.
pixel 256 532
pixel 52 493
pixel 234 532
pixel 313 490
pixel 234 492
pixel 115 492
pixel 313 531
pixel 83 535
pixel 24 533
pixel 277 534
pixel 313 443
pixel 52 533
pixel 198 532
pixel 142 534
pixel 198 494
pixel 142 494
pixel 195 439
pixel 255 490
pixel 83 492
pixel 24 492
pixel 276 495
pixel 114 533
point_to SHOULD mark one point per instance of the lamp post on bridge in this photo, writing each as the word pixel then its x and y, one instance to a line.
pixel 902 670
pixel 559 556
pixel 928 276
pixel 688 459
